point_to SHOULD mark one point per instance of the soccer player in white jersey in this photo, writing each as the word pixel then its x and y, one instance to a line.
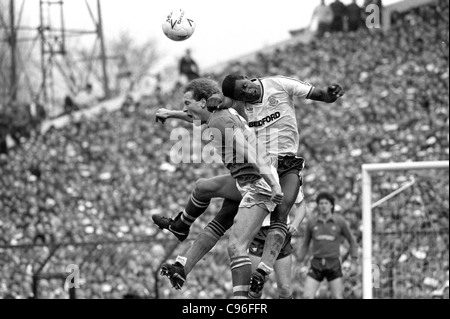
pixel 272 99
pixel 269 105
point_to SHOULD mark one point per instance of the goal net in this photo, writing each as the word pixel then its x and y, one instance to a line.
pixel 405 210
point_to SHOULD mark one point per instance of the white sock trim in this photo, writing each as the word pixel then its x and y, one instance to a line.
pixel 268 270
pixel 182 260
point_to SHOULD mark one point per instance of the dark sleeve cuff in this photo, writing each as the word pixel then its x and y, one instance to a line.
pixel 309 93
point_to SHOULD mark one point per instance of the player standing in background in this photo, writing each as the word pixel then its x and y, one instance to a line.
pixel 256 178
pixel 326 231
pixel 269 106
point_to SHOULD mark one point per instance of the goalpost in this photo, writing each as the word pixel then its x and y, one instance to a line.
pixel 367 170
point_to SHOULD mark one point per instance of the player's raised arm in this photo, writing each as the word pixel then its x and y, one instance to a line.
pixel 220 102
pixel 164 114
pixel 330 95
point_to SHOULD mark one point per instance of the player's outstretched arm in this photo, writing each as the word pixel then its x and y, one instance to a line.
pixel 164 114
pixel 330 95
pixel 221 102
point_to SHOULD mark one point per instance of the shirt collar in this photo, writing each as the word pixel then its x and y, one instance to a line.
pixel 262 90
pixel 331 218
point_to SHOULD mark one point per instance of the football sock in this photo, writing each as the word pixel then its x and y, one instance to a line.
pixel 263 269
pixel 272 247
pixel 194 209
pixel 241 269
pixel 203 244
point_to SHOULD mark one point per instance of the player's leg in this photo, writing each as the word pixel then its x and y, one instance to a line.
pixel 283 269
pixel 256 247
pixel 289 169
pixel 246 225
pixel 255 252
pixel 205 189
pixel 334 277
pixel 311 286
pixel 316 274
pixel 255 260
pixel 282 266
pixel 204 242
pixel 276 236
pixel 337 288
pixel 212 233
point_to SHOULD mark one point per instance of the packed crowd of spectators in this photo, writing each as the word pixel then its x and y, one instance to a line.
pixel 19 121
pixel 98 179
pixel 101 179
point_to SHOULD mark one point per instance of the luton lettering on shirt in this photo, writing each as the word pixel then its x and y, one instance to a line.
pixel 273 116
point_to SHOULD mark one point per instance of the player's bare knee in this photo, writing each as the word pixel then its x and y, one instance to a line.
pixel 200 185
pixel 204 188
pixel 285 290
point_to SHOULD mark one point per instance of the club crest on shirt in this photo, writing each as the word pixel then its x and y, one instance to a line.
pixel 273 101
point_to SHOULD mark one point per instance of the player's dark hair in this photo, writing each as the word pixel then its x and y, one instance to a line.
pixel 327 196
pixel 229 83
pixel 202 88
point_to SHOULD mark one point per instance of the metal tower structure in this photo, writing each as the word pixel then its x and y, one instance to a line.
pixel 57 61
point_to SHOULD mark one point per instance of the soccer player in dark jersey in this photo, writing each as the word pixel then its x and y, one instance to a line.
pixel 268 103
pixel 326 232
pixel 255 177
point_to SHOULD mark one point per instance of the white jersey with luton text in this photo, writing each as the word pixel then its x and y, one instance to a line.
pixel 273 116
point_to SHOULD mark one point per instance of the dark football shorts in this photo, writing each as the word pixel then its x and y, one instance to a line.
pixel 329 268
pixel 257 244
pixel 290 165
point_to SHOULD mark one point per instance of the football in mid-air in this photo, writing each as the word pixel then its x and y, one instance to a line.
pixel 178 26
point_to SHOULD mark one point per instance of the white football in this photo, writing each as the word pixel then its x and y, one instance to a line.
pixel 178 26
